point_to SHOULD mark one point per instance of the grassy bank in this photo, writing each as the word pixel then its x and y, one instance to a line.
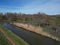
pixel 17 40
pixel 3 40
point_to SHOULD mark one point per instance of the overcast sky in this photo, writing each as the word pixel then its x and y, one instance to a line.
pixel 30 6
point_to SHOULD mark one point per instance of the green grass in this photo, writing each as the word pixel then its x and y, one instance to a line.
pixel 18 40
pixel 24 21
pixel 3 40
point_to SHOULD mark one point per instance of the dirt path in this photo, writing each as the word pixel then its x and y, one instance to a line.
pixel 10 40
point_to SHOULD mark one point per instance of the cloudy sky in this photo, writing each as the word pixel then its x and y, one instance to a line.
pixel 30 6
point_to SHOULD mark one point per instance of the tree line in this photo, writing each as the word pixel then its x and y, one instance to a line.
pixel 39 18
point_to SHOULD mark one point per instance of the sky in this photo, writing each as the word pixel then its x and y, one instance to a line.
pixel 50 7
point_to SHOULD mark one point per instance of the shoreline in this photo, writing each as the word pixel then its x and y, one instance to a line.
pixel 34 29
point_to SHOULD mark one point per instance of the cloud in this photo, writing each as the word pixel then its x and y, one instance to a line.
pixel 49 7
pixel 34 6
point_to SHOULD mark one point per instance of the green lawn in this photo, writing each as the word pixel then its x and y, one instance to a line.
pixel 18 40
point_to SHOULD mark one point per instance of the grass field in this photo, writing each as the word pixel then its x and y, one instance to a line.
pixel 3 40
pixel 17 40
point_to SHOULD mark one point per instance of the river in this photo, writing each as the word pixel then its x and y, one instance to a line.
pixel 30 37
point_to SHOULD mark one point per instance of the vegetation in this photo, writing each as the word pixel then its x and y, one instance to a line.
pixel 39 19
pixel 29 18
pixel 3 40
pixel 17 40
pixel 46 21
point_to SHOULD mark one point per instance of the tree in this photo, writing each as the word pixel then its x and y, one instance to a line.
pixel 1 15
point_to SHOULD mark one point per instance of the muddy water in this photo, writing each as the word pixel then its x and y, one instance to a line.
pixel 31 37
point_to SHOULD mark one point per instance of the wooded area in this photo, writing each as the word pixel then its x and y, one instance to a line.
pixel 40 18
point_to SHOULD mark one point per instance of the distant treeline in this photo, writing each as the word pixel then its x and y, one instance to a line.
pixel 39 18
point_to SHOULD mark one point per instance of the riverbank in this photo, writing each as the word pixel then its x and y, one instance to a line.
pixel 7 37
pixel 30 37
pixel 3 39
pixel 35 29
pixel 14 39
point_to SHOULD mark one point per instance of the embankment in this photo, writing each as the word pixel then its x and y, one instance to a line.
pixel 35 29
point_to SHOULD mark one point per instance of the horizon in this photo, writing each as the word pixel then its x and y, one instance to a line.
pixel 50 7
